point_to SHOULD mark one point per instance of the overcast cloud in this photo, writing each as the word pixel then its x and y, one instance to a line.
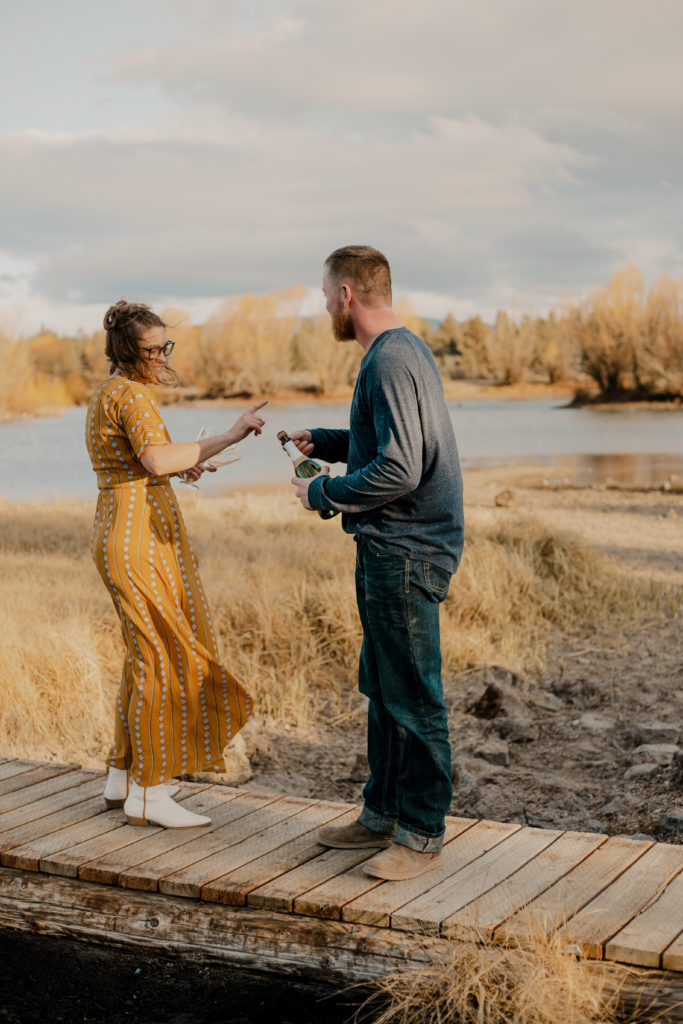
pixel 502 153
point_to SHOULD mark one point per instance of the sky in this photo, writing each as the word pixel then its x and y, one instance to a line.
pixel 503 154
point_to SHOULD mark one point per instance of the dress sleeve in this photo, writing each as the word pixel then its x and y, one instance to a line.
pixel 140 420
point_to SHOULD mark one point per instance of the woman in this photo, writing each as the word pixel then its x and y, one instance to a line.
pixel 178 706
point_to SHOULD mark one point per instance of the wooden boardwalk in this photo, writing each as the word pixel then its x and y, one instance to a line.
pixel 70 866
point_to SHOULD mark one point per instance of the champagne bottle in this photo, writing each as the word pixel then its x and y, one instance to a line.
pixel 303 466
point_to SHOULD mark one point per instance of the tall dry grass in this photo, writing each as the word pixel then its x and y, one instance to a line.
pixel 534 983
pixel 281 587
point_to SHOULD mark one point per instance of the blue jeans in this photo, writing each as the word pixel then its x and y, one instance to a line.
pixel 410 789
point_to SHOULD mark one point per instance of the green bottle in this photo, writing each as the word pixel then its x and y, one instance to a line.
pixel 303 466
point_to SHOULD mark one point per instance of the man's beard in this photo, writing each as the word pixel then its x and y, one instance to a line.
pixel 342 326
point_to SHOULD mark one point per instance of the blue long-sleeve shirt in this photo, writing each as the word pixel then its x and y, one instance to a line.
pixel 403 486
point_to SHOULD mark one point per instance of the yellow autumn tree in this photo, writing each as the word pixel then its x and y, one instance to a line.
pixel 246 346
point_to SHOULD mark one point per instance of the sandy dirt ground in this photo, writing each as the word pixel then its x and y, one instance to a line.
pixel 591 744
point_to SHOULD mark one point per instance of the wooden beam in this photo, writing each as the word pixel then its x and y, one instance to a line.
pixel 332 952
pixel 326 951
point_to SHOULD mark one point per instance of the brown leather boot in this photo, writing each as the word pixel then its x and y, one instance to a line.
pixel 352 837
pixel 401 862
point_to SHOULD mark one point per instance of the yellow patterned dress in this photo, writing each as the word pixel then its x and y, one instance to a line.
pixel 178 706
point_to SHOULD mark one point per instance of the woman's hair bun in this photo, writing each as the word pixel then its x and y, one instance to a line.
pixel 122 313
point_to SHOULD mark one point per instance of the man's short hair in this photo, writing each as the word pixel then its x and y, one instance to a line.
pixel 364 268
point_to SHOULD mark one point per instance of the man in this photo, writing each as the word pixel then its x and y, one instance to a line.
pixel 401 498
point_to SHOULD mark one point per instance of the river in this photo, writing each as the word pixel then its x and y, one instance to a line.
pixel 45 457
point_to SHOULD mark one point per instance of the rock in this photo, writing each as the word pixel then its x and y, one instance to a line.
pixel 505 498
pixel 498 699
pixel 468 770
pixel 495 751
pixel 595 723
pixel 260 749
pixel 462 773
pixel 642 771
pixel 237 764
pixel 360 770
pixel 547 701
pixel 516 730
pixel 672 821
pixel 659 753
pixel 652 731
pixel 571 688
pixel 616 804
pixel 496 803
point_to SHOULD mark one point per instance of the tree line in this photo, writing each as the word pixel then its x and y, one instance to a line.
pixel 623 342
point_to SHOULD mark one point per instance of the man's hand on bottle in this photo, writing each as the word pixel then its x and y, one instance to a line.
pixel 301 485
pixel 302 439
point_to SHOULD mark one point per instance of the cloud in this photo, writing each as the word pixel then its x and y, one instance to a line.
pixel 440 56
pixel 490 149
pixel 220 217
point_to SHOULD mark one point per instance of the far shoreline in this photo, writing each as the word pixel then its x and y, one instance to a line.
pixel 454 391
pixel 567 392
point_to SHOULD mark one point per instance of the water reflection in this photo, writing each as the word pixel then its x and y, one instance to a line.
pixel 626 469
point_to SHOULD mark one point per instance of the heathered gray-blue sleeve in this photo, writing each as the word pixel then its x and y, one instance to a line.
pixel 392 390
pixel 330 445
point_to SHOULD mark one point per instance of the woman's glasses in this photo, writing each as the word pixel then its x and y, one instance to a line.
pixel 158 350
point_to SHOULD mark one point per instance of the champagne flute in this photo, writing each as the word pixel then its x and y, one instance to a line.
pixel 223 458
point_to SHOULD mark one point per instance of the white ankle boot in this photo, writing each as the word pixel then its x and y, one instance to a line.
pixel 116 787
pixel 152 805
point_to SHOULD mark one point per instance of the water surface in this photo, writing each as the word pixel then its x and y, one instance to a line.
pixel 46 457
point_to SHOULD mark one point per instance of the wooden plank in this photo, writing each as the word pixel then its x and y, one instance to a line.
pixel 328 899
pixel 50 823
pixel 29 856
pixel 143 844
pixel 15 766
pixel 146 874
pixel 67 861
pixel 426 913
pixel 233 887
pixel 467 848
pixel 672 958
pixel 616 905
pixel 37 773
pixel 244 841
pixel 478 920
pixel 556 905
pixel 280 893
pixel 653 930
pixel 376 906
pixel 82 785
pixel 64 779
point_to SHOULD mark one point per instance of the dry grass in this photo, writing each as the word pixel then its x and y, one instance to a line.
pixel 280 584
pixel 537 983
